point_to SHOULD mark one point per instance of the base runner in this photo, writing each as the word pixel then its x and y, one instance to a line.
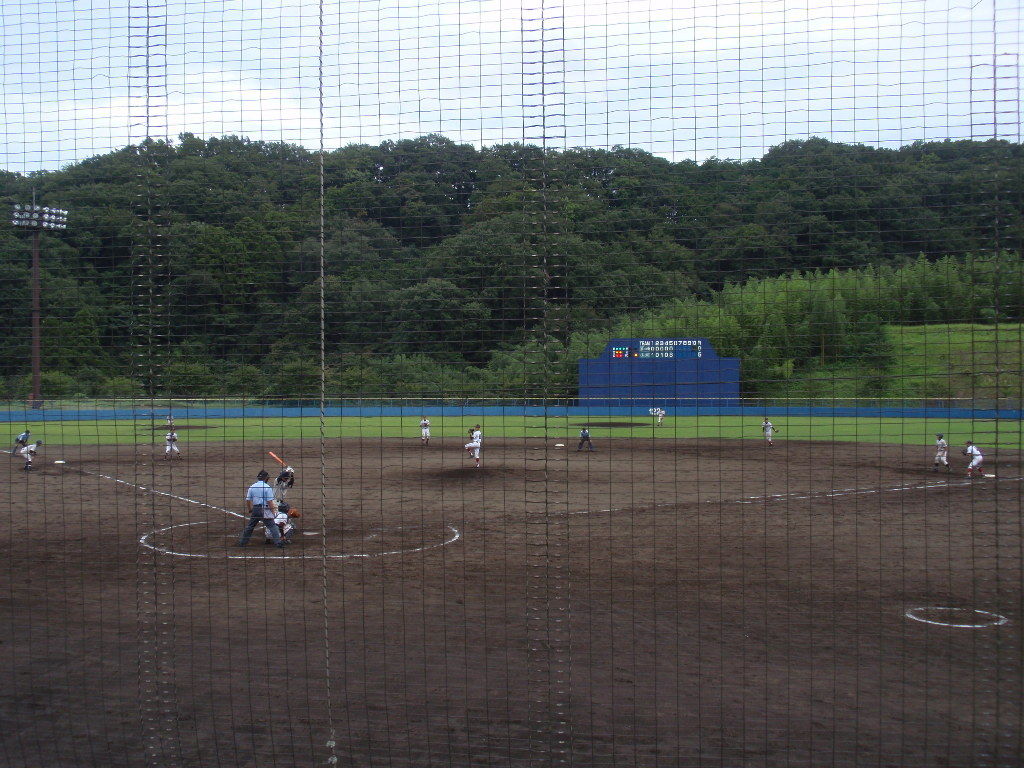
pixel 941 452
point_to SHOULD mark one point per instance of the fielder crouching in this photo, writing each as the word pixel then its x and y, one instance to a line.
pixel 284 519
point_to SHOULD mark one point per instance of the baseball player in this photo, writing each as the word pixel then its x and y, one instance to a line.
pixel 769 429
pixel 660 414
pixel 171 445
pixel 284 482
pixel 971 450
pixel 941 452
pixel 283 520
pixel 28 452
pixel 260 504
pixel 425 430
pixel 20 442
pixel 476 439
pixel 584 439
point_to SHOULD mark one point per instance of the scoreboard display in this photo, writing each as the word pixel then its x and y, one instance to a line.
pixel 663 373
pixel 654 349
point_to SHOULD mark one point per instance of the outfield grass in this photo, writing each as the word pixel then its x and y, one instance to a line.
pixel 1004 433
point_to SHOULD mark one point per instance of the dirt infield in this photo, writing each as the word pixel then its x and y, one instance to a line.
pixel 655 603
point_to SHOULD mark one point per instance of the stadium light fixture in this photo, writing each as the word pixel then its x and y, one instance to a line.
pixel 36 219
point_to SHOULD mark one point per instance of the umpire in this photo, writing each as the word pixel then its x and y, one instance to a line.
pixel 260 504
pixel 584 440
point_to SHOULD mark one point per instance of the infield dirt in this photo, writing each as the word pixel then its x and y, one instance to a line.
pixel 655 603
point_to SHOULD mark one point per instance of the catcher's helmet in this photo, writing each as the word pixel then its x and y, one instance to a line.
pixel 39 442
pixel 938 435
pixel 263 475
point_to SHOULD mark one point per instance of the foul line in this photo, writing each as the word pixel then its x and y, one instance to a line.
pixel 836 492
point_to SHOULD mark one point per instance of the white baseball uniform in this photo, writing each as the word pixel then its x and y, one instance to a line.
pixel 769 430
pixel 941 452
pixel 976 458
pixel 27 453
pixel 171 444
pixel 476 440
pixel 424 429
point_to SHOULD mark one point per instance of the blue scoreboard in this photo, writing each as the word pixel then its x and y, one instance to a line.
pixel 666 373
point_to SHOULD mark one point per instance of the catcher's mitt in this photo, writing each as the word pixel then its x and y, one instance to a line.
pixel 293 513
pixel 963 451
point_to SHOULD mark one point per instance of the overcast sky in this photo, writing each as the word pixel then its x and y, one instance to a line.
pixel 686 79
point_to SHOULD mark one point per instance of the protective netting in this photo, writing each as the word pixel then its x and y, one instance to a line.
pixel 636 383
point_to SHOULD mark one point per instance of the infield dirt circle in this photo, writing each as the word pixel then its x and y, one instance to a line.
pixel 655 603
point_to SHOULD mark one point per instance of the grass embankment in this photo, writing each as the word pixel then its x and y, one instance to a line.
pixel 927 362
pixel 911 431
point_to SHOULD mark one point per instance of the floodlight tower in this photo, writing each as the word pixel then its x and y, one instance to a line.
pixel 37 218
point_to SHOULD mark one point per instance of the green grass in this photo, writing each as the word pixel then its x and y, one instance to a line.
pixel 1004 433
pixel 957 360
pixel 928 362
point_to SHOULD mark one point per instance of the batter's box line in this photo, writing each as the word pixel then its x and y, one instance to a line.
pixel 144 540
pixel 834 493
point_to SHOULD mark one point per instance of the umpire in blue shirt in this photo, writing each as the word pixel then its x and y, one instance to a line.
pixel 585 440
pixel 260 504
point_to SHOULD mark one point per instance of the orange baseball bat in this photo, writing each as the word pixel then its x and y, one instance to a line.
pixel 276 458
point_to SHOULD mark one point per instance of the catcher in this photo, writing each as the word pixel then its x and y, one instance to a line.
pixel 285 517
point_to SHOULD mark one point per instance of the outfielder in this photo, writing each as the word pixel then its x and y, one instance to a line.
pixel 425 430
pixel 971 450
pixel 28 452
pixel 171 445
pixel 660 413
pixel 769 429
pixel 941 452
pixel 476 439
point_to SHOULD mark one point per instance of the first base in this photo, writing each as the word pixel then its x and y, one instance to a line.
pixel 559 445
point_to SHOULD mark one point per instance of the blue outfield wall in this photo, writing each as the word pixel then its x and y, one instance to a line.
pixel 22 414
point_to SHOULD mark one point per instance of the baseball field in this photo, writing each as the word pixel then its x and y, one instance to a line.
pixel 684 595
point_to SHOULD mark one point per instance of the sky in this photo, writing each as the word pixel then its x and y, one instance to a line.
pixel 689 79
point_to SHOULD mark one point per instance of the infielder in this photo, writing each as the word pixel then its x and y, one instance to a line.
pixel 769 429
pixel 941 452
pixel 971 451
pixel 28 452
pixel 584 440
pixel 171 445
pixel 476 439
pixel 260 504
pixel 425 430
pixel 20 442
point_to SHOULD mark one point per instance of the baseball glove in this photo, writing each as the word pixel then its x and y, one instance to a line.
pixel 963 451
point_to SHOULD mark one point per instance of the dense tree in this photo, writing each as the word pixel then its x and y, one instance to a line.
pixel 205 254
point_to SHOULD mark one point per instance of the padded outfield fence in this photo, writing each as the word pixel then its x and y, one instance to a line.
pixel 636 384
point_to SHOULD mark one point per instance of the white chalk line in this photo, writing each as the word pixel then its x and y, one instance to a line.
pixel 990 619
pixel 835 492
pixel 144 540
